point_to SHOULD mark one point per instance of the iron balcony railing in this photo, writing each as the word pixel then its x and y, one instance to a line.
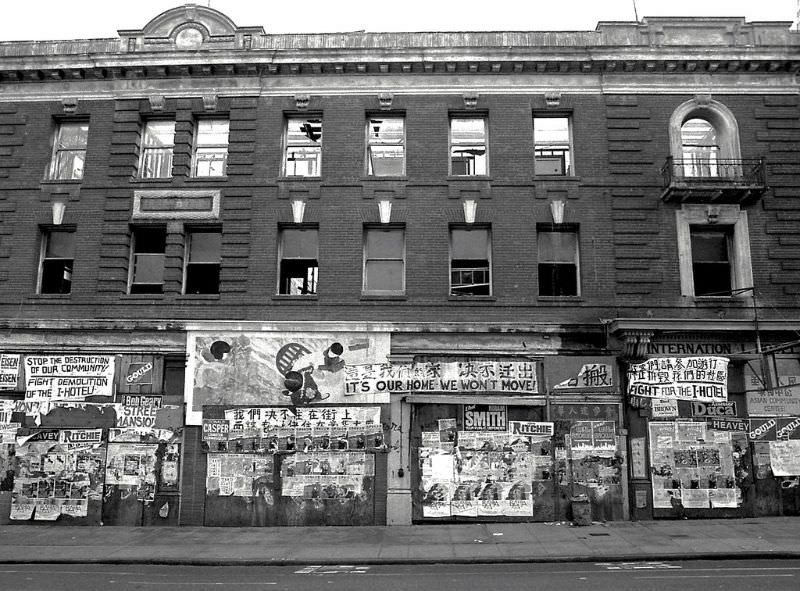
pixel 705 171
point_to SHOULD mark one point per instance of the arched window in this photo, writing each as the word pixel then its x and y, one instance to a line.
pixel 699 148
pixel 704 139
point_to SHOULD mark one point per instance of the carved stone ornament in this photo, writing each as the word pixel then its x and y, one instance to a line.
pixel 552 99
pixel 70 105
pixel 157 102
pixel 470 100
pixel 385 101
pixel 210 102
pixel 301 101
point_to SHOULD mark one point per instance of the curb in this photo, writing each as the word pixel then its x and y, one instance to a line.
pixel 684 557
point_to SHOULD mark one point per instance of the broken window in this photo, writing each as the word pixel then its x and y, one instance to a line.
pixel 298 267
pixel 552 146
pixel 386 146
pixel 69 151
pixel 468 146
pixel 470 262
pixel 210 148
pixel 303 146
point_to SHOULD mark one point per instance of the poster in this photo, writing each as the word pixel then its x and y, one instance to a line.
pixel 273 429
pixel 486 473
pixel 9 371
pixel 637 457
pixel 133 465
pixel 502 377
pixel 58 472
pixel 784 457
pixel 136 417
pixel 325 475
pixel 238 475
pixel 295 369
pixel 68 377
pixel 664 408
pixel 681 378
pixel 592 438
pixel 691 466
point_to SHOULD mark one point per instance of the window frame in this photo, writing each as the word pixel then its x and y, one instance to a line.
pixel 144 149
pixel 189 232
pixel 573 229
pixel 369 168
pixel 471 228
pixel 53 167
pixel 132 260
pixel 196 148
pixel 714 217
pixel 46 233
pixel 281 233
pixel 287 144
pixel 365 260
pixel 568 163
pixel 718 116
pixel 451 144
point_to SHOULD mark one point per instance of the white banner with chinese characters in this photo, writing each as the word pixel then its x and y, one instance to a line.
pixel 502 377
pixel 681 378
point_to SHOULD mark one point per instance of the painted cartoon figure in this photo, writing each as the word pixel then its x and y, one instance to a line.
pixel 298 364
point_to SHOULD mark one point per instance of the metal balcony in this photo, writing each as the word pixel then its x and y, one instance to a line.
pixel 713 181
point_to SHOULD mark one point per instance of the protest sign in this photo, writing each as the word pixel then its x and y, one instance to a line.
pixel 681 378
pixel 68 377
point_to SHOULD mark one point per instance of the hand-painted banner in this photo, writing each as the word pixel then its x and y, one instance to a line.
pixel 682 378
pixel 68 377
pixel 259 369
pixel 590 376
pixel 501 377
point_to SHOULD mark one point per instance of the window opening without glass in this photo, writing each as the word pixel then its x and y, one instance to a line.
pixel 552 146
pixel 299 267
pixel 558 263
pixel 384 260
pixel 385 146
pixel 203 257
pixel 211 148
pixel 58 257
pixel 469 262
pixel 711 263
pixel 700 148
pixel 467 147
pixel 69 151
pixel 147 260
pixel 158 143
pixel 303 146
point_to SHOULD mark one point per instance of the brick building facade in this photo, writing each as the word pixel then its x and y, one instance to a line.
pixel 400 277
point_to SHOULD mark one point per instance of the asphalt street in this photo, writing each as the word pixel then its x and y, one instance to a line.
pixel 730 575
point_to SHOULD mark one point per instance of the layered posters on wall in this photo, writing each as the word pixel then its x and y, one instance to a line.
pixel 58 472
pixel 238 475
pixel 133 466
pixel 680 378
pixel 692 466
pixel 9 371
pixel 485 473
pixel 784 457
pixel 287 368
pixel 326 474
pixel 68 377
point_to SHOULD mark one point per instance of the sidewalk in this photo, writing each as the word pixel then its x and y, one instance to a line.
pixel 773 537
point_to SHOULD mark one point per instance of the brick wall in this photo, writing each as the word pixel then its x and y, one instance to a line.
pixel 627 234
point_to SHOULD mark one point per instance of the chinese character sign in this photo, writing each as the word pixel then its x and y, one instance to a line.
pixel 507 377
pixel 681 378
